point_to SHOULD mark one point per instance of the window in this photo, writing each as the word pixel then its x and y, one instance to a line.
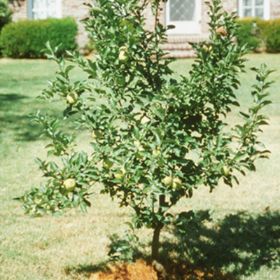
pixel 254 8
pixel 182 10
pixel 185 15
pixel 42 9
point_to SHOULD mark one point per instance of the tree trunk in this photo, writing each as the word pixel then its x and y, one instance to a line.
pixel 155 242
pixel 158 227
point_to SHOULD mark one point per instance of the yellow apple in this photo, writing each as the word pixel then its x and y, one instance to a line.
pixel 156 152
pixel 226 170
pixel 221 31
pixel 96 135
pixel 207 48
pixel 168 180
pixel 107 164
pixel 69 184
pixel 123 53
pixel 93 135
pixel 177 182
pixel 120 174
pixel 72 98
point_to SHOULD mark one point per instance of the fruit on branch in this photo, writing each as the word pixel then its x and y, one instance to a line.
pixel 96 135
pixel 123 53
pixel 173 182
pixel 221 31
pixel 69 184
pixel 120 174
pixel 226 170
pixel 72 98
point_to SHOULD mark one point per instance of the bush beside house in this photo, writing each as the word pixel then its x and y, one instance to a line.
pixel 260 34
pixel 271 35
pixel 27 39
pixel 249 33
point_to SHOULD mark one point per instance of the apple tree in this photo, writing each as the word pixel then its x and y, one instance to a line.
pixel 154 139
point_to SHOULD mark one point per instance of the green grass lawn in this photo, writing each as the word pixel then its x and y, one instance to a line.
pixel 243 236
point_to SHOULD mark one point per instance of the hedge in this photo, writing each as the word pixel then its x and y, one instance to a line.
pixel 27 38
pixel 271 35
pixel 249 33
pixel 260 34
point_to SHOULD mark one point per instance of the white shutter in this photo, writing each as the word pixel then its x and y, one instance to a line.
pixel 43 9
pixel 54 8
pixel 39 9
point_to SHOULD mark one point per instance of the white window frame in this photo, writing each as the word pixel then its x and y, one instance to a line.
pixel 266 7
pixel 58 10
pixel 185 27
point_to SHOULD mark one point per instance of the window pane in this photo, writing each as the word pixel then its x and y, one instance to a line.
pixel 247 3
pixel 39 9
pixel 259 2
pixel 182 10
pixel 259 12
pixel 248 12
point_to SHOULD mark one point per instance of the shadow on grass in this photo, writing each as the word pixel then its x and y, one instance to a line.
pixel 200 249
pixel 10 97
pixel 15 119
pixel 21 126
pixel 240 244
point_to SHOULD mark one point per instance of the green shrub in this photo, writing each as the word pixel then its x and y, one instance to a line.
pixel 257 33
pixel 5 13
pixel 27 39
pixel 249 33
pixel 271 34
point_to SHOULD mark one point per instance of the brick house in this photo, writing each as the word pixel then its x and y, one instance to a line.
pixel 189 16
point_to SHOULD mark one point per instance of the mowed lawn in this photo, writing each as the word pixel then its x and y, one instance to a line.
pixel 244 233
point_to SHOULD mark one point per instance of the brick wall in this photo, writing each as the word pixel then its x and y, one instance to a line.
pixel 275 9
pixel 230 5
pixel 77 9
pixel 19 10
pixel 150 20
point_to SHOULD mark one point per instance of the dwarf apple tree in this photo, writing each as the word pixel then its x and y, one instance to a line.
pixel 154 139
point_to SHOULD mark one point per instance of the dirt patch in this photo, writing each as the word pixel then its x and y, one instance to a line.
pixel 139 270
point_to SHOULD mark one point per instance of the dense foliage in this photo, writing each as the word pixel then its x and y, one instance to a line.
pixel 271 30
pixel 5 13
pixel 260 34
pixel 27 39
pixel 154 139
pixel 249 33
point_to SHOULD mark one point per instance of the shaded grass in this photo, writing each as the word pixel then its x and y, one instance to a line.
pixel 43 248
pixel 240 243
